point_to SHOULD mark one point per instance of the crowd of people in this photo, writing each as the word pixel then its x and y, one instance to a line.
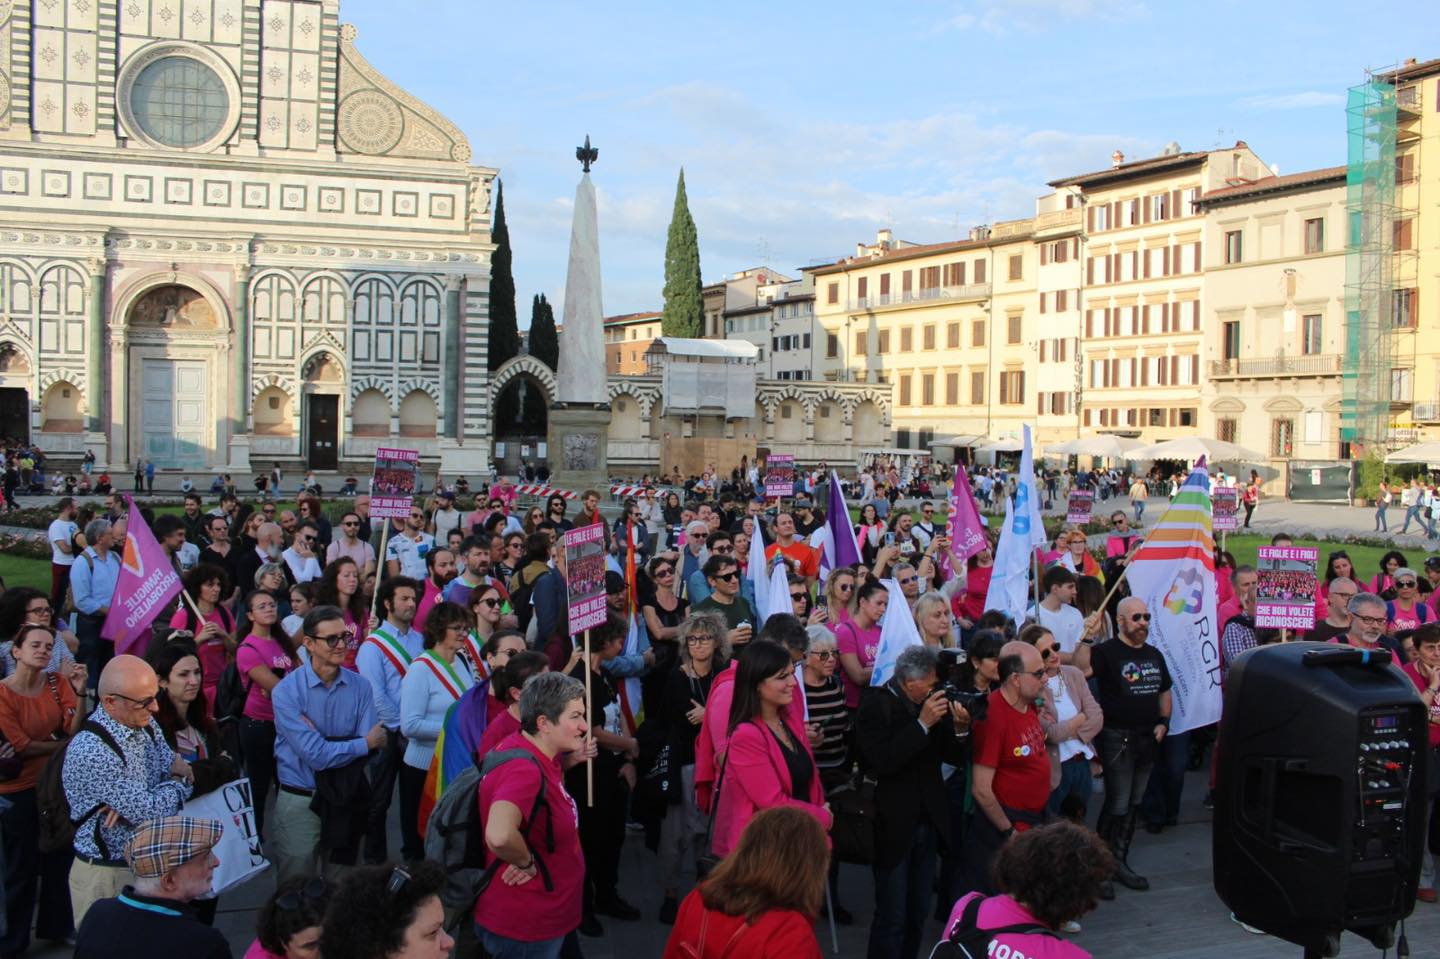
pixel 341 667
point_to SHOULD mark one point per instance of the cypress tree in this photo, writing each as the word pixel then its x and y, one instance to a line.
pixel 544 341
pixel 504 327
pixel 684 301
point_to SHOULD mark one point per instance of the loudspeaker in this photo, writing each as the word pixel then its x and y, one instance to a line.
pixel 1320 794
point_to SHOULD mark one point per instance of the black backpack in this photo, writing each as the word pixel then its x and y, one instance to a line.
pixel 57 821
pixel 968 941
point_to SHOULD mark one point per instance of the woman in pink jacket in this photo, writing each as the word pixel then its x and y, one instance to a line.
pixel 767 762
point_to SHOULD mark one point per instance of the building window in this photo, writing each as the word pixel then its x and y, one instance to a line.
pixel 180 102
pixel 862 290
pixel 1404 307
pixel 882 342
pixel 1282 437
pixel 1405 234
pixel 1232 246
pixel 904 389
pixel 907 339
pixel 1225 429
pixel 832 345
pixel 952 336
pixel 832 293
pixel 979 272
pixel 1402 381
pixel 1012 387
pixel 927 336
pixel 952 389
pixel 1404 168
pixel 1230 340
pixel 1310 341
pixel 927 389
pixel 1315 235
pixel 860 345
pixel 1017 266
pixel 1157 416
pixel 902 439
pixel 1012 332
pixel 977 333
pixel 1186 416
pixel 977 388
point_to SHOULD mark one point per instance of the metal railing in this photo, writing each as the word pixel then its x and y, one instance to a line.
pixel 1425 412
pixel 1324 364
pixel 974 291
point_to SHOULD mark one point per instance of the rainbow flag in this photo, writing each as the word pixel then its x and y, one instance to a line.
pixel 465 723
pixel 1173 571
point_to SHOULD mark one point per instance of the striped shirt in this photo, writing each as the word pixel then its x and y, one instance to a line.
pixel 826 703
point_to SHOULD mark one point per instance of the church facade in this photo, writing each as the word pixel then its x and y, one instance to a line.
pixel 226 240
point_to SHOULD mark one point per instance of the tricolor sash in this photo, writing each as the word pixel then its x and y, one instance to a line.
pixel 446 673
pixel 391 649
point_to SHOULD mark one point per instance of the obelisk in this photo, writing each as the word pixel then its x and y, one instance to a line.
pixel 580 418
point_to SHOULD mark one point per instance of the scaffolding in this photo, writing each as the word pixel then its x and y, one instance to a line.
pixel 1367 372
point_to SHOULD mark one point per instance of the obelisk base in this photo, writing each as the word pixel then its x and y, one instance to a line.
pixel 578 446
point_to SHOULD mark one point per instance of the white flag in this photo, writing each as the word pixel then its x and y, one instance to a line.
pixel 759 578
pixel 897 632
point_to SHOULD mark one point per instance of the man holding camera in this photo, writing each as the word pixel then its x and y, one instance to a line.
pixel 905 730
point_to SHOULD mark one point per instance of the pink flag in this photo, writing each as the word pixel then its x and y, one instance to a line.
pixel 147 584
pixel 967 529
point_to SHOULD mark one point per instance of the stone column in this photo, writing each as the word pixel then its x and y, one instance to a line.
pixel 119 460
pixel 95 358
pixel 240 417
pixel 454 383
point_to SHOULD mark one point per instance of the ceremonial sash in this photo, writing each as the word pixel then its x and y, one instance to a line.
pixel 445 673
pixel 392 650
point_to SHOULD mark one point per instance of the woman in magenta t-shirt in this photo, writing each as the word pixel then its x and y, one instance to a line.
pixel 262 659
pixel 525 910
pixel 214 628
pixel 1048 876
pixel 859 640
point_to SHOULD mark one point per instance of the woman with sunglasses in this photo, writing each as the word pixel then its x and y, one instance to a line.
pixel 534 520
pixel 703 652
pixel 349 544
pixel 487 606
pixel 1072 719
pixel 664 612
pixel 263 658
pixel 39 712
pixel 1383 585
pixel 288 926
pixel 1407 611
pixel 510 560
pixel 839 590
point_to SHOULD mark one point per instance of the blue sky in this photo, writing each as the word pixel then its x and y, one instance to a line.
pixel 804 127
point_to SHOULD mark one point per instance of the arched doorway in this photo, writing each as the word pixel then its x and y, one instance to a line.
pixel 324 380
pixel 15 374
pixel 521 391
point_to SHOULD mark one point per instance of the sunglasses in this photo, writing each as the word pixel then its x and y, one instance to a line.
pixel 1405 583
pixel 145 703
pixel 399 878
pixel 723 550
pixel 908 580
pixel 335 640
pixel 664 571
pixel 316 890
pixel 1140 618
pixel 823 653
pixel 348 522
pixel 492 603
pixel 845 587
pixel 729 577
pixel 1047 651
pixel 799 598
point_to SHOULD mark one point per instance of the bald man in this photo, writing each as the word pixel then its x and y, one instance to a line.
pixel 119 773
pixel 1011 780
pixel 1133 689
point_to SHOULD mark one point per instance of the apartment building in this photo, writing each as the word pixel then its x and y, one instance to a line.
pixel 947 324
pixel 627 337
pixel 1273 315
pixel 1142 249
pixel 1060 277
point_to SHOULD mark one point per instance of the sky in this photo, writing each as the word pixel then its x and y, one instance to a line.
pixel 803 128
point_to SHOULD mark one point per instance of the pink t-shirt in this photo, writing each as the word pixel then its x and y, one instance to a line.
pixel 527 912
pixel 1421 683
pixel 864 644
pixel 258 651
pixel 998 911
pixel 427 602
pixel 211 652
pixel 502 725
pixel 257 951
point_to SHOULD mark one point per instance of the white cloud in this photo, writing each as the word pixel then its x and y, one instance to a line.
pixel 999 17
pixel 1294 101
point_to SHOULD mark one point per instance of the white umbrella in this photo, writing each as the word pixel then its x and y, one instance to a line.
pixel 1102 444
pixel 1191 448
pixel 1011 445
pixel 1419 453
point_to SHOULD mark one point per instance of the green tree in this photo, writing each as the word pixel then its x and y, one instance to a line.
pixel 544 342
pixel 684 302
pixel 504 327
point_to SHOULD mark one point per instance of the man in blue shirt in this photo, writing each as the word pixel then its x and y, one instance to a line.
pixel 383 659
pixel 92 584
pixel 324 719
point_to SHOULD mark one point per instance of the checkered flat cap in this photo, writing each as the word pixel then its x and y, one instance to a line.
pixel 160 845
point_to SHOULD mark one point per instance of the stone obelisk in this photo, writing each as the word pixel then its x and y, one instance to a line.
pixel 580 418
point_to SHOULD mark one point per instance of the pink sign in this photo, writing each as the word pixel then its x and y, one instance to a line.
pixel 1225 503
pixel 392 489
pixel 146 585
pixel 1080 506
pixel 1285 587
pixel 585 576
pixel 967 528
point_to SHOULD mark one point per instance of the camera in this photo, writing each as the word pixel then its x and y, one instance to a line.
pixel 956 686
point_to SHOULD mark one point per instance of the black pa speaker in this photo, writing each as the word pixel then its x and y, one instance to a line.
pixel 1320 794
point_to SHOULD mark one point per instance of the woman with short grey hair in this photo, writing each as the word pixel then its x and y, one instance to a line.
pixel 547 695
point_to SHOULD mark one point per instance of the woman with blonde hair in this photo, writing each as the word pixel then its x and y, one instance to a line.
pixel 839 596
pixel 762 900
pixel 1076 555
pixel 933 620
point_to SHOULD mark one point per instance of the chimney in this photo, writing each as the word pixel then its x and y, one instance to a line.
pixel 884 239
pixel 1117 158
pixel 1410 61
pixel 859 249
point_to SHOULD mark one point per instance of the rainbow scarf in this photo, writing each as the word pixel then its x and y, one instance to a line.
pixel 465 723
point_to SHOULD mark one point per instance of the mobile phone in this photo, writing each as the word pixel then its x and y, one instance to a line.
pixel 889 539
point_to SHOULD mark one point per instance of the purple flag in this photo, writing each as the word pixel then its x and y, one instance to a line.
pixel 843 549
pixel 147 584
pixel 967 529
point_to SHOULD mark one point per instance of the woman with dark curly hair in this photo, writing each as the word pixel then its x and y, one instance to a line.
pixel 388 912
pixel 1047 876
pixel 288 926
pixel 214 629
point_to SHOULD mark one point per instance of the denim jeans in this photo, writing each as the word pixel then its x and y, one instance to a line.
pixel 1139 506
pixel 1380 525
pixel 1161 804
pixel 498 947
pixel 1412 512
pixel 1075 781
pixel 902 899
pixel 1127 756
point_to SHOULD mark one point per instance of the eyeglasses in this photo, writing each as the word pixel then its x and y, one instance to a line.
pixel 39 611
pixel 1371 620
pixel 908 580
pixel 698 640
pixel 1338 595
pixel 316 890
pixel 1405 583
pixel 145 703
pixel 926 512
pixel 799 597
pixel 1048 651
pixel 398 879
pixel 1037 674
pixel 664 571
pixel 1140 618
pixel 844 587
pixel 492 603
pixel 823 653
pixel 729 577
pixel 348 522
pixel 335 640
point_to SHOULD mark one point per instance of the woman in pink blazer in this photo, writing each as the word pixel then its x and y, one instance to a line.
pixel 768 761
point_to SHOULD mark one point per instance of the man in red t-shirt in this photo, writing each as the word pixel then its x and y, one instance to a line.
pixel 804 560
pixel 1011 770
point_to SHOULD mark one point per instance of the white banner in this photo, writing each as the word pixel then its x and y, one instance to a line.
pixel 238 851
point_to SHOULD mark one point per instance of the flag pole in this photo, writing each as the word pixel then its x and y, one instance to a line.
pixel 590 734
pixel 379 571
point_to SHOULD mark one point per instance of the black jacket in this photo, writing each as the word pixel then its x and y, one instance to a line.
pixel 141 927
pixel 342 801
pixel 905 761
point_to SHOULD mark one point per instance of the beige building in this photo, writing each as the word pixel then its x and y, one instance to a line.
pixel 1143 254
pixel 1060 277
pixel 1273 315
pixel 949 325
pixel 627 338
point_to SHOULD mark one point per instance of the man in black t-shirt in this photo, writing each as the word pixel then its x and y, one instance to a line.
pixel 1134 694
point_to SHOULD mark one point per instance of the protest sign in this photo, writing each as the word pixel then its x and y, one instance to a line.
pixel 392 489
pixel 1225 502
pixel 1285 589
pixel 780 475
pixel 239 853
pixel 585 576
pixel 1082 503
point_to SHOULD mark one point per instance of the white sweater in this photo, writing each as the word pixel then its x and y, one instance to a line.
pixel 424 700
